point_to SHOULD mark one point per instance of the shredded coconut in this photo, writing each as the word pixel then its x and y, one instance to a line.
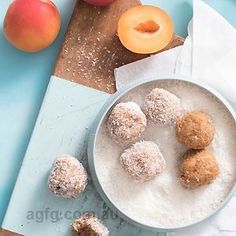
pixel 163 201
pixel 143 161
pixel 126 122
pixel 89 225
pixel 162 107
pixel 68 178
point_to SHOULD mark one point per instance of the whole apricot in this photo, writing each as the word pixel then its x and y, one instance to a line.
pixel 31 25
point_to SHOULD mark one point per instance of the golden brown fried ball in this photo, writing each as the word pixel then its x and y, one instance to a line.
pixel 195 130
pixel 197 168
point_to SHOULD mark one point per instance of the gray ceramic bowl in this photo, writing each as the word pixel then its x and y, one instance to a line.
pixel 93 137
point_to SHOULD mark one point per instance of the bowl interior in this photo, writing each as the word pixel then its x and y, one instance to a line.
pixel 112 183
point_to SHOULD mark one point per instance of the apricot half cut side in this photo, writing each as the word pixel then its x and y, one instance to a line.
pixel 145 29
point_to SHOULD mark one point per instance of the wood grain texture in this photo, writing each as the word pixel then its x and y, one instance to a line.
pixel 92 50
pixel 7 233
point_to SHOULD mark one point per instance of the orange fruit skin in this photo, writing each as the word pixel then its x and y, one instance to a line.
pixel 145 29
pixel 31 25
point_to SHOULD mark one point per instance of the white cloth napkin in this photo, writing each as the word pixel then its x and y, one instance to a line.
pixel 162 63
pixel 209 55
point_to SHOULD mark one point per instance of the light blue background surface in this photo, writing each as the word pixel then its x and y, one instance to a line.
pixel 24 79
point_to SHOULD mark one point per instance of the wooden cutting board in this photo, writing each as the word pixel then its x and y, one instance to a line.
pixel 7 233
pixel 92 50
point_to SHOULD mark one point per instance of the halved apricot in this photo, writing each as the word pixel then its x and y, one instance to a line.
pixel 145 29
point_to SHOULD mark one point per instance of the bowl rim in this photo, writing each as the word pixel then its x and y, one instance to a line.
pixel 93 138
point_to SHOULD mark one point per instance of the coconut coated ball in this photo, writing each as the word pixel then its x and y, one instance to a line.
pixel 126 122
pixel 162 107
pixel 197 168
pixel 195 130
pixel 143 161
pixel 89 225
pixel 68 178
